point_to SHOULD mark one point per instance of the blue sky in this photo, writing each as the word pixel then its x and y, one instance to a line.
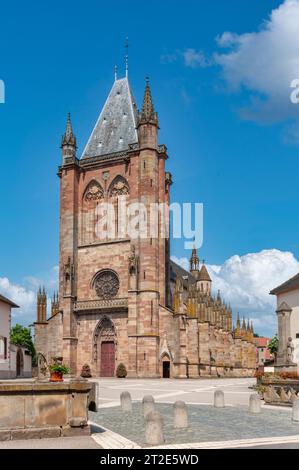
pixel 227 148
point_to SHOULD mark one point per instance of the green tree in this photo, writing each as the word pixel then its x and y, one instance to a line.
pixel 273 345
pixel 21 336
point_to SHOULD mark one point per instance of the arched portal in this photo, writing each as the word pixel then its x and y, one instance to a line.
pixel 166 363
pixel 105 348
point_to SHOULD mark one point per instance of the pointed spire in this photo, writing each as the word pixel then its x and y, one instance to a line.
pixel 203 274
pixel 237 330
pixel 69 138
pixel 148 114
pixel 55 304
pixel 194 261
pixel 127 57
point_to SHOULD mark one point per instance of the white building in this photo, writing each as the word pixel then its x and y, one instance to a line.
pixel 288 321
pixel 15 361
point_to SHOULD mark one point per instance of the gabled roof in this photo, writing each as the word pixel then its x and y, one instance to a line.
pixel 291 284
pixel 8 302
pixel 117 123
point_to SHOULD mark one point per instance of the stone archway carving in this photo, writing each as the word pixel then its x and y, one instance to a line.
pixel 104 332
pixel 164 349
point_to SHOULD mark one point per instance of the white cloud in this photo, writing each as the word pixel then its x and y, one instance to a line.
pixel 245 282
pixel 184 262
pixel 25 295
pixel 195 59
pixel 20 295
pixel 265 62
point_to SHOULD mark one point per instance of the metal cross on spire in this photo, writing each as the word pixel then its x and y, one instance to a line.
pixel 127 56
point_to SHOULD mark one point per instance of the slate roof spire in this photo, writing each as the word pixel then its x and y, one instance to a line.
pixel 148 114
pixel 116 126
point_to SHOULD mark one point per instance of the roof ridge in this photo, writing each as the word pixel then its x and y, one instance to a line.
pixel 286 284
pixel 7 301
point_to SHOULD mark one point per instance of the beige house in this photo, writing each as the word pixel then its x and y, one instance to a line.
pixel 15 361
pixel 288 321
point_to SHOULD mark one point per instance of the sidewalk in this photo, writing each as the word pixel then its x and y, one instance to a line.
pixel 84 442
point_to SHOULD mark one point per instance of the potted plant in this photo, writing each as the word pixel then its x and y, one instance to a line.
pixel 57 370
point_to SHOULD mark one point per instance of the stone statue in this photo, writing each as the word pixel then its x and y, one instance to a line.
pixel 133 261
pixel 42 368
pixel 290 350
pixel 68 274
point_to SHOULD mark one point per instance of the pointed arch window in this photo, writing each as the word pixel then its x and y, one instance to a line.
pixel 92 196
pixel 119 187
pixel 93 192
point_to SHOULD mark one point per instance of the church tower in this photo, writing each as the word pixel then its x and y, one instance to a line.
pixel 113 280
pixel 121 299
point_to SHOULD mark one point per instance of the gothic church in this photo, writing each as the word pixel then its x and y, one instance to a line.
pixel 122 300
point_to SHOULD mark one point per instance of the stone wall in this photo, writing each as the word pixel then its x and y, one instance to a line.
pixel 48 337
pixel 36 410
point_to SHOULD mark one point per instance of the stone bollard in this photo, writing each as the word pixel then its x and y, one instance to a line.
pixel 255 404
pixel 126 402
pixel 219 399
pixel 154 429
pixel 180 415
pixel 295 416
pixel 148 405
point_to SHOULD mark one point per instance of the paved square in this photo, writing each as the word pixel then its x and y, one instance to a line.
pixel 195 391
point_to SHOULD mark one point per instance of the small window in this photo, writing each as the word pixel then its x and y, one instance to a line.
pixel 297 335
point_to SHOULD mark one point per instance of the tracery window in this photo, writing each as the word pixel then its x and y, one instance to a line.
pixel 106 284
pixel 119 187
pixel 93 192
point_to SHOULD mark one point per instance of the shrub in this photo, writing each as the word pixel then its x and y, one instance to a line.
pixel 86 372
pixel 21 336
pixel 121 371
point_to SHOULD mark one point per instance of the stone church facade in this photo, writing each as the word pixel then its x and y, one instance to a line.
pixel 121 299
